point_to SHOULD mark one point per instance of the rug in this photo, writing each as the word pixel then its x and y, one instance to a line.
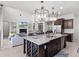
pixel 61 54
pixel 78 50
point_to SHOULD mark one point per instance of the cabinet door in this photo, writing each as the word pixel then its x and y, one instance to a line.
pixel 65 24
pixel 51 48
pixel 29 49
pixel 68 24
pixel 42 51
pixel 35 52
pixel 58 22
pixel 58 44
pixel 70 37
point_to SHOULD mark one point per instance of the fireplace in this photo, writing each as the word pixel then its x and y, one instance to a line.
pixel 23 31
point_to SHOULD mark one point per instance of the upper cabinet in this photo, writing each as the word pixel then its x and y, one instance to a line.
pixel 65 24
pixel 68 24
pixel 58 22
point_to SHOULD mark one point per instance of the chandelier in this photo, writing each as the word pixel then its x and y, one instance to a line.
pixel 43 14
pixel 54 15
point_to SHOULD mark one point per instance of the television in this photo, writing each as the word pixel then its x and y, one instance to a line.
pixel 23 30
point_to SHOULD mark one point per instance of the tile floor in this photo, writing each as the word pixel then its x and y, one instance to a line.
pixel 71 49
pixel 9 51
pixel 12 52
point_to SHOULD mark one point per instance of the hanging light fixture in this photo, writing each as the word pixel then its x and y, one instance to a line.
pixel 54 15
pixel 41 14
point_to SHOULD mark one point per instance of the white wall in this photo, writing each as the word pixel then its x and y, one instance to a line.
pixel 0 27
pixel 67 16
pixel 5 26
pixel 76 27
pixel 0 20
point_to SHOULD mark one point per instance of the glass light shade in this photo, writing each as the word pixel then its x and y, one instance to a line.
pixel 53 19
pixel 41 16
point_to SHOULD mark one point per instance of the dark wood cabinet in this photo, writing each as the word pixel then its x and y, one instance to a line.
pixel 29 48
pixel 53 47
pixel 24 50
pixel 58 22
pixel 42 51
pixel 65 23
pixel 68 24
pixel 34 50
pixel 48 49
pixel 69 38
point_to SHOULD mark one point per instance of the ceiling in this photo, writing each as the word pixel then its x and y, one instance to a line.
pixel 29 6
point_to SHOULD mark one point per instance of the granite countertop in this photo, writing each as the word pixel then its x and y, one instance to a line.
pixel 42 39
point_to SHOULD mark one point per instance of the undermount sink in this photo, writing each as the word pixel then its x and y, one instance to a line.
pixel 51 36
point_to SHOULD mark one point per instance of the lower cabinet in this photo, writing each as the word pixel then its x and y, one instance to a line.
pixel 53 47
pixel 29 50
pixel 42 51
pixel 70 37
pixel 34 50
pixel 45 50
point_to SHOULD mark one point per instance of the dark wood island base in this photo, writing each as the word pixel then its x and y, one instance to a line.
pixel 48 49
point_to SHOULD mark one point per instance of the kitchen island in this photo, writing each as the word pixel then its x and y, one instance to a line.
pixel 44 45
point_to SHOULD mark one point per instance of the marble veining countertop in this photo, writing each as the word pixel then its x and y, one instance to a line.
pixel 42 39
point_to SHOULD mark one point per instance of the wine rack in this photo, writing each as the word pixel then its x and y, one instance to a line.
pixel 32 49
pixel 28 48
